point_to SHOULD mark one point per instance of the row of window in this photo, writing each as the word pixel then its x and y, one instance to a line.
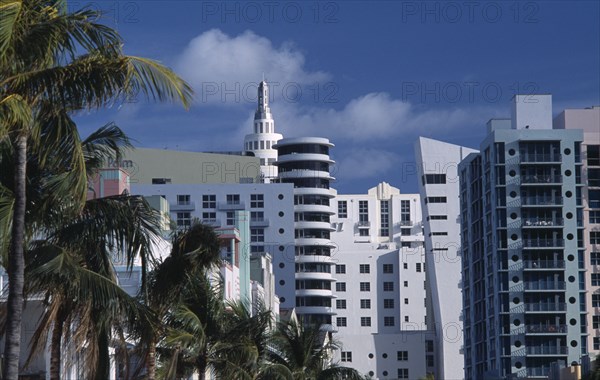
pixel 261 144
pixel 366 321
pixel 210 200
pixel 400 355
pixel 388 286
pixel 388 303
pixel 366 268
pixel 363 210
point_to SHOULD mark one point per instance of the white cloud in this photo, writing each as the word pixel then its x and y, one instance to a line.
pixel 235 64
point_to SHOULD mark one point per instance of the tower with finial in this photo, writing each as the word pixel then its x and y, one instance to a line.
pixel 263 138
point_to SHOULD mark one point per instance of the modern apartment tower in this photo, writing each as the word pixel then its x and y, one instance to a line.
pixel 437 170
pixel 305 163
pixel 261 142
pixel 522 246
pixel 380 289
pixel 588 120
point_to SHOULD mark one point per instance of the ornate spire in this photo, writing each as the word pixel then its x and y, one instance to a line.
pixel 263 111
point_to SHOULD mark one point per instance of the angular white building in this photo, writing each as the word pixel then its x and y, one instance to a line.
pixel 380 290
pixel 437 168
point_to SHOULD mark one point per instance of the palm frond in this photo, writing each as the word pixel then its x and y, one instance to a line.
pixel 10 11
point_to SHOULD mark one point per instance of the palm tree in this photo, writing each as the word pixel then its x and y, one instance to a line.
pixel 194 252
pixel 45 78
pixel 76 251
pixel 306 351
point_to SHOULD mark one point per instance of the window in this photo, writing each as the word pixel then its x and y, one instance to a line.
pixel 439 234
pixel 388 321
pixel 184 219
pixel 346 356
pixel 257 201
pixel 183 200
pixel 233 199
pixel 594 237
pixel 388 286
pixel 385 218
pixel 341 321
pixel 596 321
pixel 340 304
pixel 418 267
pixel 406 284
pixel 595 279
pixel 435 200
pixel 257 216
pixel 596 343
pixel 405 213
pixel 365 321
pixel 230 218
pixel 595 300
pixel 595 258
pixel 363 211
pixel 429 360
pixel 388 268
pixel 434 179
pixel 340 286
pixel 406 301
pixel 209 216
pixel 364 268
pixel 340 268
pixel 342 209
pixel 593 156
pixel 209 201
pixel 595 217
pixel 405 231
pixel 365 286
pixel 429 346
pixel 406 318
pixel 402 355
pixel 363 232
pixel 403 373
pixel 405 265
pixel 388 303
pixel 365 304
pixel 257 235
pixel 437 217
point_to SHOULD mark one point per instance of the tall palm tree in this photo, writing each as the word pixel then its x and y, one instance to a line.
pixel 45 76
pixel 194 252
pixel 306 351
pixel 76 252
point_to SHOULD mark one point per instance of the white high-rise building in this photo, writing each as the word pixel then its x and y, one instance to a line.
pixel 263 138
pixel 380 289
pixel 437 164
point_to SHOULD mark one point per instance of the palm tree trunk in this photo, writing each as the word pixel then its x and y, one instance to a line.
pixel 16 265
pixel 151 364
pixel 103 367
pixel 55 346
pixel 201 368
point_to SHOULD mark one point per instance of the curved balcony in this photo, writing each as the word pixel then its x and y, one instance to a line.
pixel 314 208
pixel 316 225
pixel 315 241
pixel 305 173
pixel 295 157
pixel 314 276
pixel 314 259
pixel 328 293
pixel 314 191
pixel 314 310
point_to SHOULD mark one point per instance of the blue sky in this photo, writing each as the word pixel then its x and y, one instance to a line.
pixel 370 76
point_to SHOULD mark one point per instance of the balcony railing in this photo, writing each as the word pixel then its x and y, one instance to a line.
pixel 546 329
pixel 544 264
pixel 547 350
pixel 543 222
pixel 559 306
pixel 541 157
pixel 559 285
pixel 231 205
pixel 364 223
pixel 543 243
pixel 548 178
pixel 542 201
